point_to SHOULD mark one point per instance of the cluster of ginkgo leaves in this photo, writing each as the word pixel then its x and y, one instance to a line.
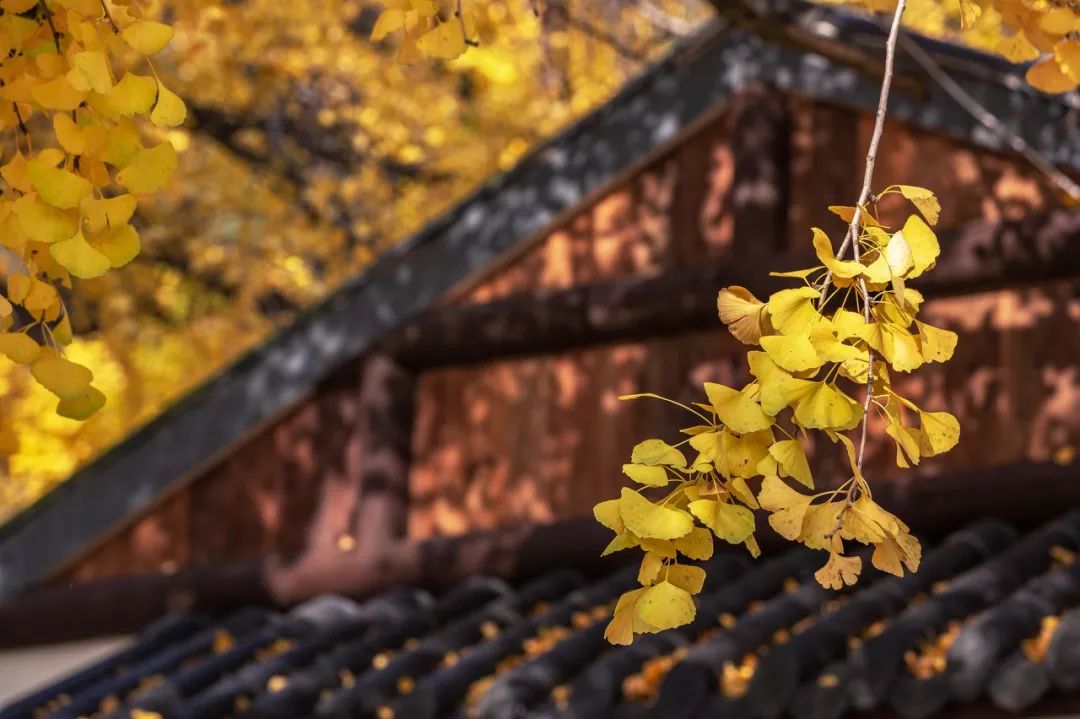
pixel 816 347
pixel 426 31
pixel 1043 30
pixel 75 77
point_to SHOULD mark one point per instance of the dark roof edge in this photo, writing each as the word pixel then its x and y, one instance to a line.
pixel 646 115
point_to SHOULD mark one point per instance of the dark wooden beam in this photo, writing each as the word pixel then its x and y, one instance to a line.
pixel 980 256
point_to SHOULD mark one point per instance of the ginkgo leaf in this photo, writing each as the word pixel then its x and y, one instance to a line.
pixel 652 475
pixel 1050 77
pixel 731 522
pixel 651 564
pixel 969 13
pixel 907 444
pixel 848 324
pixel 787 507
pixel 846 269
pixel 697 544
pixel 665 606
pixel 847 214
pixel 607 514
pixel 90 71
pixel 686 577
pixel 57 187
pixel 896 550
pixel 741 491
pixel 621 628
pixel 114 212
pixel 621 541
pixel 744 314
pixel 839 571
pixel 935 344
pixel 654 452
pixel 792 311
pixel 661 547
pixel 79 257
pixel 57 94
pixel 823 406
pixel 68 134
pixel 830 348
pixel 737 410
pixel 150 170
pixel 1067 53
pixel 64 378
pixel 19 348
pixel 1016 48
pixel 44 223
pixel 819 524
pixel 34 295
pixel 923 243
pixel 791 457
pixel 121 245
pixel 739 456
pixel 924 200
pixel 938 433
pixel 83 405
pixel 169 110
pixel 147 37
pixel 646 519
pixel 795 353
pixel 899 257
pixel 446 40
pixel 389 20
pixel 133 95
pixel 777 389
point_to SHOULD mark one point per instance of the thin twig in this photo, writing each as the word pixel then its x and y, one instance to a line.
pixel 985 118
pixel 461 22
pixel 852 239
pixel 52 27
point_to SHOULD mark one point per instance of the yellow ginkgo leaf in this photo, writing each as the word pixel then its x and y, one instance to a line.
pixel 79 257
pixel 923 243
pixel 33 294
pixel 791 457
pixel 57 187
pixel 899 258
pixel 60 376
pixel 110 213
pixel 847 324
pixel 938 433
pixel 739 489
pixel 1067 54
pixel 82 406
pixel 839 571
pixel 665 606
pixel 389 20
pixel 607 514
pixel 698 544
pixel 150 170
pixel 14 173
pixel 792 311
pixel 133 95
pixel 787 507
pixel 969 13
pixel 830 348
pixel 68 134
pixel 651 564
pixel 737 410
pixel 924 200
pixel 1050 77
pixel 907 443
pixel 654 452
pixel 649 520
pixel 935 344
pixel 661 547
pixel 795 353
pixel 1016 48
pixel 120 245
pixel 819 524
pixel 5 307
pixel 896 550
pixel 822 406
pixel 147 37
pixel 847 214
pixel 739 456
pixel 744 314
pixel 686 577
pixel 652 475
pixel 845 269
pixel 57 94
pixel 446 40
pixel 169 110
pixel 777 389
pixel 621 628
pixel 731 522
pixel 44 223
pixel 621 541
pixel 19 348
pixel 90 71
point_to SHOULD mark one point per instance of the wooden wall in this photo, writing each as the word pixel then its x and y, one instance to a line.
pixel 543 437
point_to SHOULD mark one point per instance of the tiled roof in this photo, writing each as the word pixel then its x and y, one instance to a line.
pixel 992 617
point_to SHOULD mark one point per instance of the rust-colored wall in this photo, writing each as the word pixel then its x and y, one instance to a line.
pixel 543 437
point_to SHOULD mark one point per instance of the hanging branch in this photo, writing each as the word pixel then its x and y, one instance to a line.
pixel 963 98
